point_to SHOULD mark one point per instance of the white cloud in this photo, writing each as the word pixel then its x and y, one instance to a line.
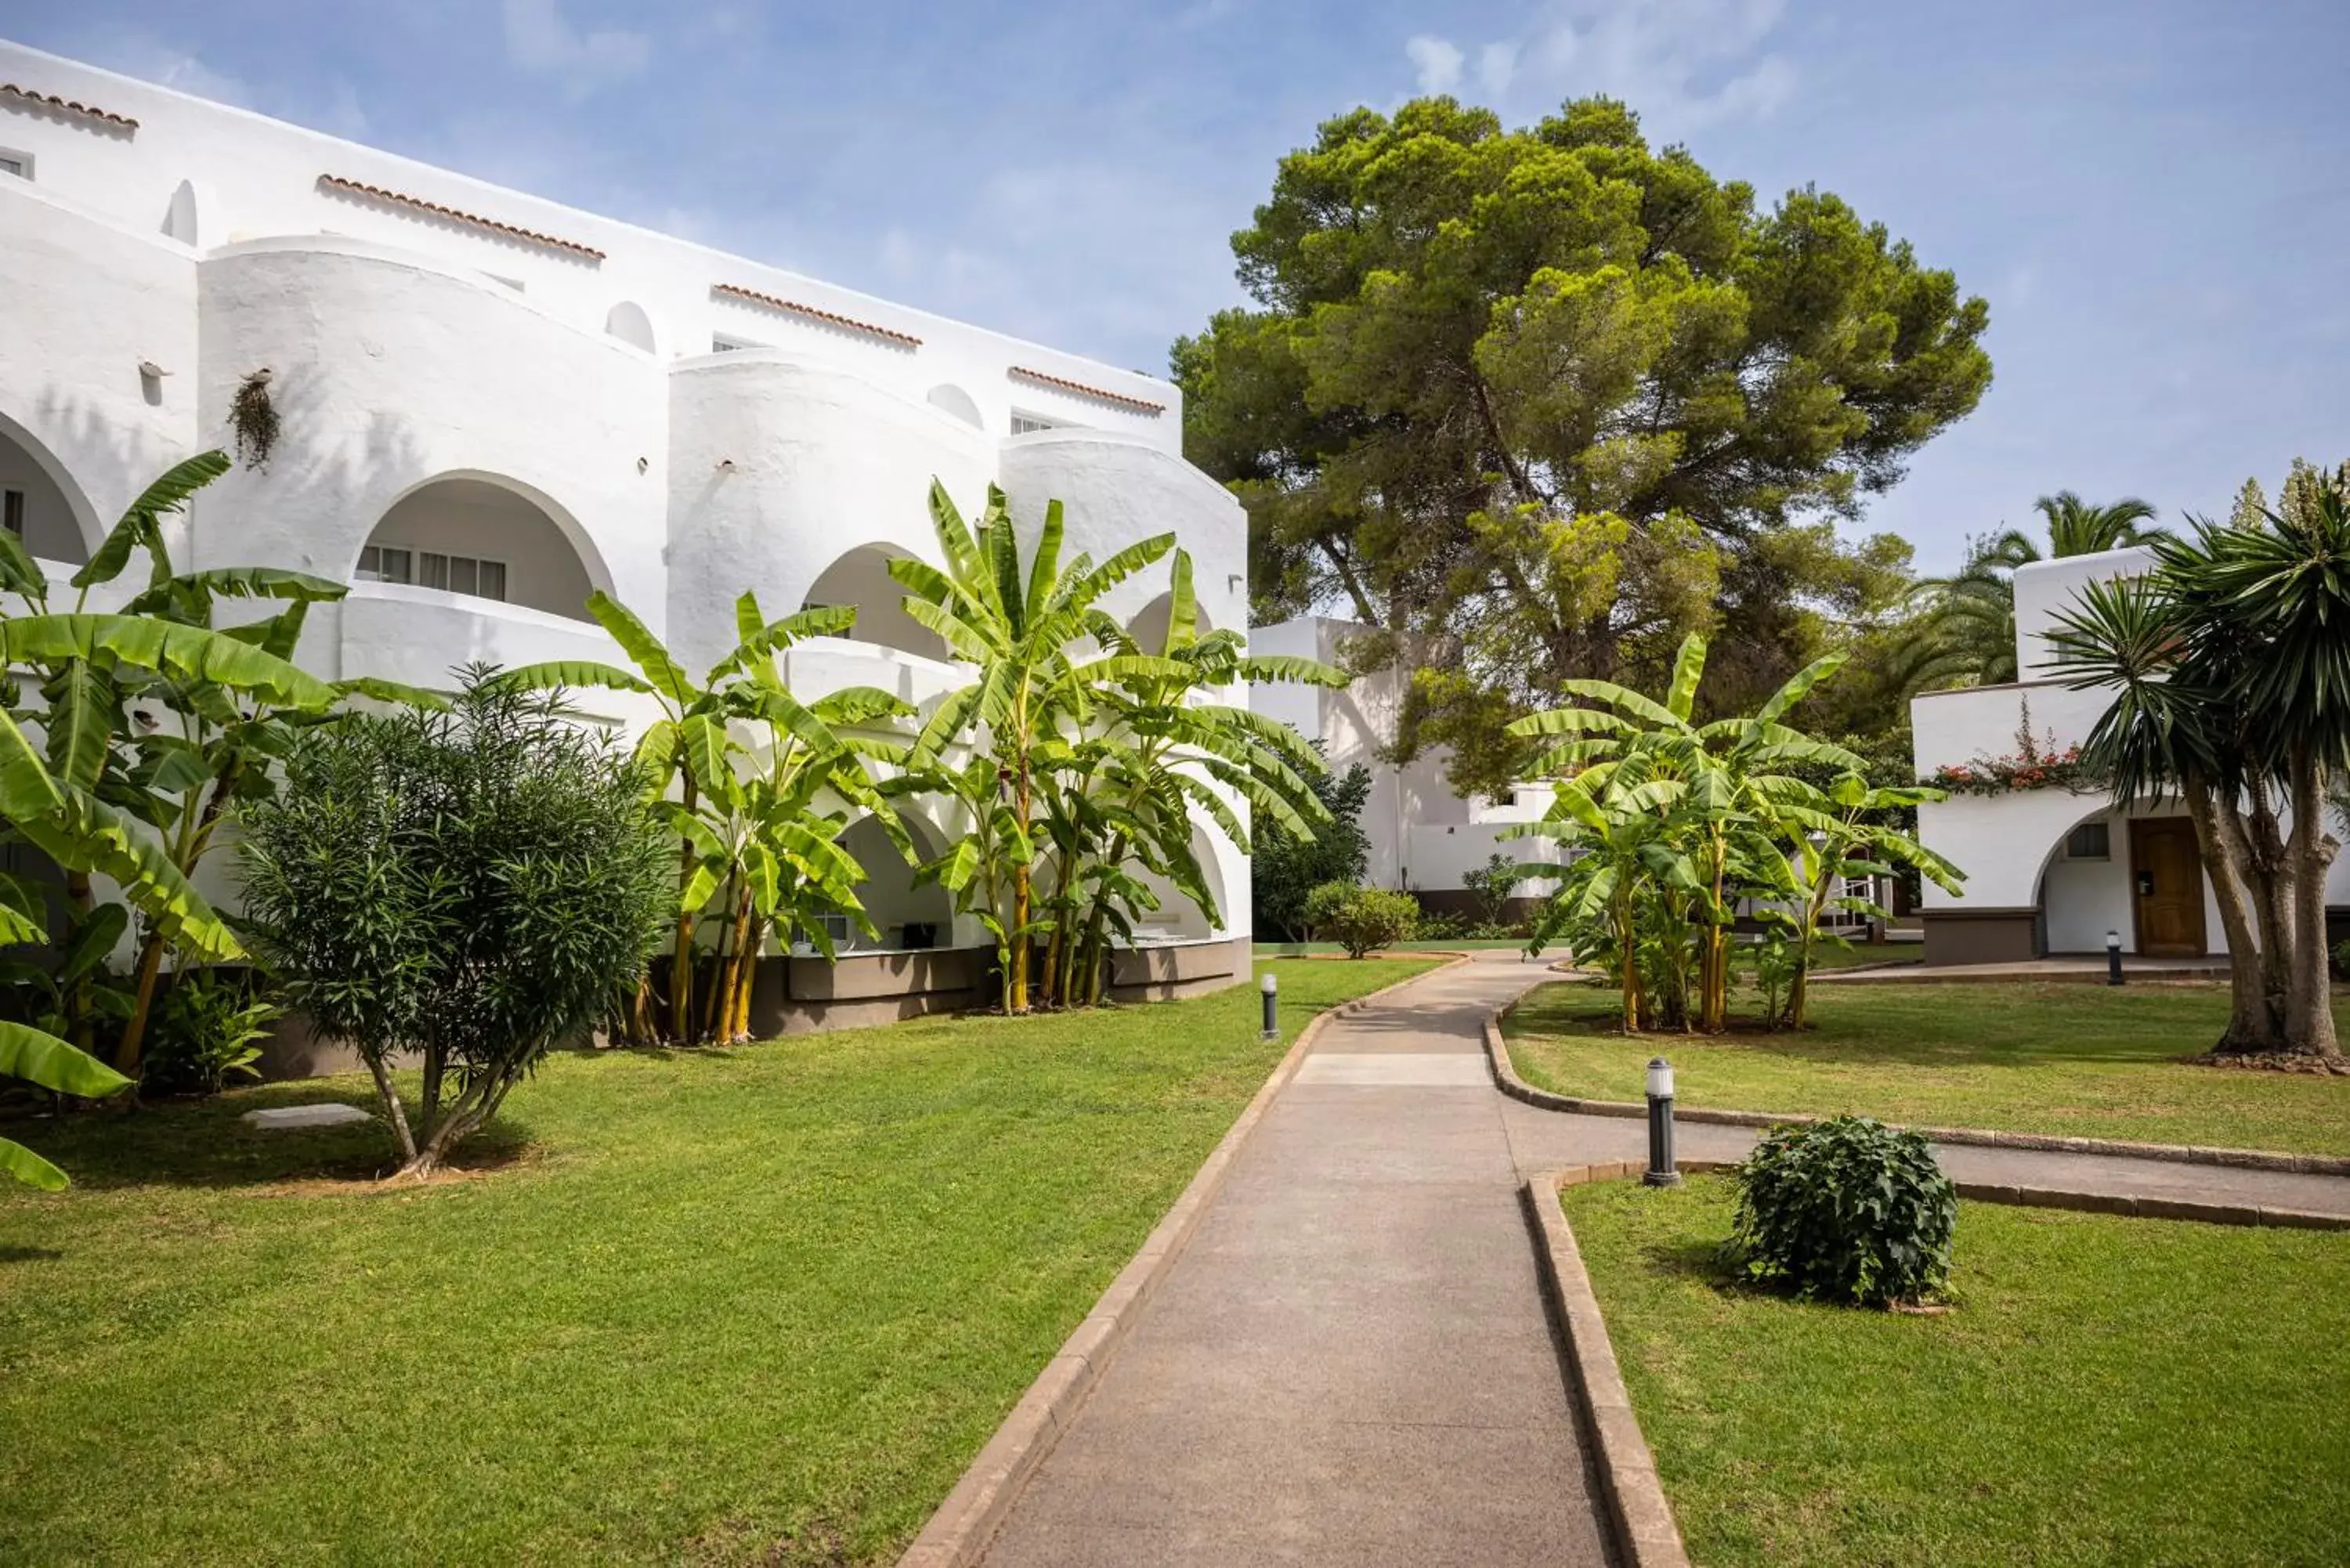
pixel 1437 61
pixel 1682 64
pixel 538 39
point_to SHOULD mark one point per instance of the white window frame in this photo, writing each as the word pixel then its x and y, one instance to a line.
pixel 1025 423
pixel 2101 826
pixel 434 569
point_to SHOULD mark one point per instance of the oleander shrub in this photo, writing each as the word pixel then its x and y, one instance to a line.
pixel 1360 920
pixel 1847 1210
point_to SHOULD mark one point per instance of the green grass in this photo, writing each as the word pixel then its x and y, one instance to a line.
pixel 2107 1391
pixel 1463 944
pixel 753 1305
pixel 2078 1060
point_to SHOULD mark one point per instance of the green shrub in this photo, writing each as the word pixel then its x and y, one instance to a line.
pixel 204 1032
pixel 1849 1210
pixel 1360 920
pixel 472 886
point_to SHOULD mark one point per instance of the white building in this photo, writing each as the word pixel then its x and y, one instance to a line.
pixel 2049 871
pixel 492 403
pixel 1422 835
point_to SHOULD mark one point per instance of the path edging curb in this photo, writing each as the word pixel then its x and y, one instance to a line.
pixel 959 1531
pixel 1505 1077
pixel 1638 1513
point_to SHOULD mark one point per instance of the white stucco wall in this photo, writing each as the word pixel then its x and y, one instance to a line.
pixel 446 387
pixel 2046 589
pixel 248 177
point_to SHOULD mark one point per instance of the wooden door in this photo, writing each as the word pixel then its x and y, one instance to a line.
pixel 2167 887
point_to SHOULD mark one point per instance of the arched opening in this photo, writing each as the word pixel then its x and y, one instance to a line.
pixel 2136 873
pixel 39 501
pixel 627 322
pixel 485 538
pixel 1148 626
pixel 861 578
pixel 958 403
pixel 909 918
pixel 180 217
pixel 1179 919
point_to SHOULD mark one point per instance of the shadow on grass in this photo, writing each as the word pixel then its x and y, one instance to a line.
pixel 206 1144
pixel 28 1255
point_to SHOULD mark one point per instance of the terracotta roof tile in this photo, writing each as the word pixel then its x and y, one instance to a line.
pixel 400 199
pixel 86 110
pixel 1117 398
pixel 828 318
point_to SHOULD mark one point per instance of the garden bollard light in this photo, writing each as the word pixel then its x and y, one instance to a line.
pixel 1661 1172
pixel 2113 958
pixel 1272 990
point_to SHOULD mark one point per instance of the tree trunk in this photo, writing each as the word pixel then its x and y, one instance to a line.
pixel 199 839
pixel 1626 944
pixel 2254 1024
pixel 680 963
pixel 79 1027
pixel 394 1111
pixel 747 961
pixel 2309 1003
pixel 1015 983
pixel 718 1007
pixel 2272 891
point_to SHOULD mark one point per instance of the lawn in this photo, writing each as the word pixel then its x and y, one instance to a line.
pixel 2078 1060
pixel 759 1304
pixel 2107 1391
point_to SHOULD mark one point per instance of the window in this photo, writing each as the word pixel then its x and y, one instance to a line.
pixel 2090 841
pixel 433 569
pixel 729 345
pixel 20 164
pixel 1023 424
pixel 11 512
pixel 383 564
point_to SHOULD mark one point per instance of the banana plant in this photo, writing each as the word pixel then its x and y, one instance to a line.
pixel 1734 771
pixel 1163 752
pixel 41 1058
pixel 750 837
pixel 1020 625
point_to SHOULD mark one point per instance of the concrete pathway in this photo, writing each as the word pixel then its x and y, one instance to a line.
pixel 1351 1362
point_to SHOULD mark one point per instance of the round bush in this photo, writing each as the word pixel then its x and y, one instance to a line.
pixel 1360 920
pixel 1848 1210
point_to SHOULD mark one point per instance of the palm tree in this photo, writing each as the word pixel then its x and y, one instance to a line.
pixel 1965 629
pixel 2230 674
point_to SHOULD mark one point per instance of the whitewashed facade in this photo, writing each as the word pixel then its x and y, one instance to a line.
pixel 2049 871
pixel 480 389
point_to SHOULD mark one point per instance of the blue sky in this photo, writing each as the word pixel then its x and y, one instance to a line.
pixel 2155 197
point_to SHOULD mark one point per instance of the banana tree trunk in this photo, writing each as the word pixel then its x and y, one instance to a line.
pixel 1015 983
pixel 150 953
pixel 680 963
pixel 718 1006
pixel 746 962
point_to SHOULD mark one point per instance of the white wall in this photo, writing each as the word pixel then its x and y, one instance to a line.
pixel 250 177
pixel 1952 728
pixel 2045 589
pixel 447 385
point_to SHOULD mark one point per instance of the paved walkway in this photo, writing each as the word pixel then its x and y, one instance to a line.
pixel 1351 1362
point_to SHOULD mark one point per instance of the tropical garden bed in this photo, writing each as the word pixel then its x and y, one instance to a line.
pixel 2099 1395
pixel 2075 1060
pixel 750 1304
